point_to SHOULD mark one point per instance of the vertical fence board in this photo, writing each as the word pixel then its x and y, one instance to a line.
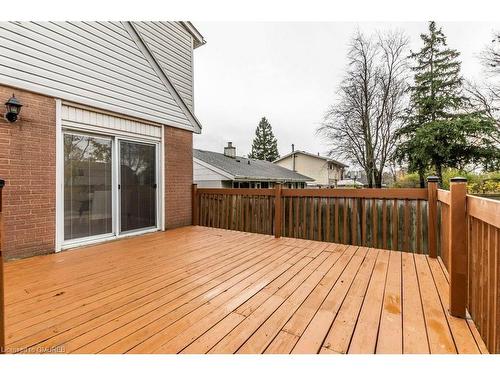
pixel 406 226
pixel 395 225
pixel 359 220
pixel 327 233
pixel 375 223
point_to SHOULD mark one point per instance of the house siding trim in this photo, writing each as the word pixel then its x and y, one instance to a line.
pixel 87 120
pixel 132 30
pixel 85 63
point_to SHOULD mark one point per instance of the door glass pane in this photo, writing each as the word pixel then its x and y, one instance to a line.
pixel 87 186
pixel 138 185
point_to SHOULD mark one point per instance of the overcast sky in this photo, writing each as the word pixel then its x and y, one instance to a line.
pixel 288 72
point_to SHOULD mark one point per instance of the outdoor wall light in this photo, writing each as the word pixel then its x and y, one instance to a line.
pixel 13 107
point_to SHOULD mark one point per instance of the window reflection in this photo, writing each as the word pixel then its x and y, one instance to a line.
pixel 138 185
pixel 87 186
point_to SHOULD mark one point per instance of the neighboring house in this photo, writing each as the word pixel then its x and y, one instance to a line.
pixel 324 171
pixel 358 176
pixel 103 144
pixel 349 183
pixel 226 170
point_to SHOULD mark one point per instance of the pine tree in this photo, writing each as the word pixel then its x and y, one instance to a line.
pixel 440 130
pixel 265 145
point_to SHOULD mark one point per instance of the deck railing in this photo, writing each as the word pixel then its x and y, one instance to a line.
pixel 470 246
pixel 463 230
pixel 395 219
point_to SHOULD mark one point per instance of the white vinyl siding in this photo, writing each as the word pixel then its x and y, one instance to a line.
pixel 92 63
pixel 172 47
pixel 206 177
pixel 87 120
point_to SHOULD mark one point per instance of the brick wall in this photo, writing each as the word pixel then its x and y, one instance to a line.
pixel 28 166
pixel 178 177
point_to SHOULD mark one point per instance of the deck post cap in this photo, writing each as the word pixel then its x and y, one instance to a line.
pixel 458 179
pixel 2 183
pixel 432 179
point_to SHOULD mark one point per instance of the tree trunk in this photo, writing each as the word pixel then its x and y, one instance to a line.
pixel 369 176
pixel 421 178
pixel 378 179
pixel 439 172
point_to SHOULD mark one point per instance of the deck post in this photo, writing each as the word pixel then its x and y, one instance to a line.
pixel 194 204
pixel 277 210
pixel 432 186
pixel 2 302
pixel 458 247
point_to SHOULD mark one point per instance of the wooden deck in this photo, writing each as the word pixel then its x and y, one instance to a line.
pixel 205 290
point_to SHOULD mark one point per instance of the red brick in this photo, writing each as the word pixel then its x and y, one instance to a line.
pixel 178 177
pixel 28 196
pixel 28 166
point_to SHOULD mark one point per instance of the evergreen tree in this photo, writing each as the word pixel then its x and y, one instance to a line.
pixel 440 128
pixel 264 146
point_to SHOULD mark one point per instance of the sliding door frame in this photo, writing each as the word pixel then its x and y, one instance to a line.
pixel 90 239
pixel 60 243
pixel 117 176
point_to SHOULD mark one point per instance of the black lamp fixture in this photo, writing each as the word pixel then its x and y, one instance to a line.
pixel 13 107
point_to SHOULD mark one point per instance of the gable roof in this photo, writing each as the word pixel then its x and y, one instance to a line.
pixel 197 37
pixel 160 72
pixel 91 63
pixel 325 158
pixel 241 168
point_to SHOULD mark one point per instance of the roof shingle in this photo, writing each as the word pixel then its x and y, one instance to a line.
pixel 249 169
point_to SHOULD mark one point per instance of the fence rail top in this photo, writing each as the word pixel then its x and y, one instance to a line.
pixel 236 191
pixel 408 193
pixel 444 196
pixel 404 193
pixel 487 210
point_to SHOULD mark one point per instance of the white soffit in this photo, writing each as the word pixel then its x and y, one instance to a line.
pixel 88 120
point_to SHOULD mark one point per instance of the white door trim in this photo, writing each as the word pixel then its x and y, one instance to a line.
pixel 59 235
pixel 115 137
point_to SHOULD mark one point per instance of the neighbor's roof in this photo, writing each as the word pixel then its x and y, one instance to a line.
pixel 249 169
pixel 314 156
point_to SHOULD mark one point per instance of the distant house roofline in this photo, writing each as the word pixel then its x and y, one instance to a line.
pixel 246 169
pixel 312 155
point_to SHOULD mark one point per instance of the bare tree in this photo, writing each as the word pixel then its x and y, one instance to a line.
pixel 486 99
pixel 486 96
pixel 361 125
pixel 490 57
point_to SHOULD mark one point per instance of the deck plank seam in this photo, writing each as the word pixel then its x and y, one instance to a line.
pixel 250 250
pixel 226 289
pixel 229 270
pixel 337 260
pixel 362 303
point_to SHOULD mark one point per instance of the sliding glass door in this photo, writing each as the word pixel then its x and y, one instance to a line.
pixel 87 186
pixel 110 186
pixel 137 186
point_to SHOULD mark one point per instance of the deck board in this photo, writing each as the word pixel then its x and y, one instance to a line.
pixel 206 290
